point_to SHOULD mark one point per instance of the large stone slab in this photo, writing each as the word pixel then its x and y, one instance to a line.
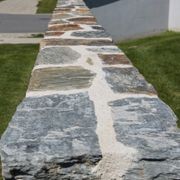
pixel 113 59
pixel 127 80
pixel 149 126
pixel 60 78
pixel 51 137
pixel 57 55
pixel 90 34
pixel 72 42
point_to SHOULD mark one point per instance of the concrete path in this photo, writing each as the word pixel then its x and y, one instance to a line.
pixel 23 23
pixel 18 6
pixel 18 38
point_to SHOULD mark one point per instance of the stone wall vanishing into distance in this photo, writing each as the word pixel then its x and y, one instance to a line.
pixel 88 113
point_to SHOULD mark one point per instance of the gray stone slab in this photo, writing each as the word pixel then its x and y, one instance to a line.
pixel 127 80
pixel 51 137
pixel 148 125
pixel 60 78
pixel 104 49
pixel 90 34
pixel 57 55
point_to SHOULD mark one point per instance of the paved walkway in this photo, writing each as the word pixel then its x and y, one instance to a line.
pixel 18 23
pixel 18 38
pixel 18 6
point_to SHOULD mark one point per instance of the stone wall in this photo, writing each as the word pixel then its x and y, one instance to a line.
pixel 88 113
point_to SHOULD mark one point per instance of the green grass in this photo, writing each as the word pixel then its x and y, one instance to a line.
pixel 46 6
pixel 16 63
pixel 158 59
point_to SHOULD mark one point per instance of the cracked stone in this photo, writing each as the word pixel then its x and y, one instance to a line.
pixel 51 137
pixel 113 59
pixel 57 55
pixel 127 80
pixel 104 49
pixel 60 78
pixel 148 125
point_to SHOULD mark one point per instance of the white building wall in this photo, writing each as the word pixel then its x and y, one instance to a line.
pixel 174 15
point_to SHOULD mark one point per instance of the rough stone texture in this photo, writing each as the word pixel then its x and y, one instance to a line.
pixel 57 55
pixel 53 33
pixel 80 73
pixel 91 34
pixel 64 27
pixel 51 137
pixel 71 42
pixel 127 80
pixel 104 49
pixel 60 78
pixel 83 20
pixel 148 125
pixel 114 59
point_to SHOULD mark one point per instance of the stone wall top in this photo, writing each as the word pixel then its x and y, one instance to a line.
pixel 88 112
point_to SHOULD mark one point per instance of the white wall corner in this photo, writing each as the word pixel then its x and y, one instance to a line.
pixel 174 15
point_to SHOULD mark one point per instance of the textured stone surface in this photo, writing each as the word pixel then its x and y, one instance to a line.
pixel 60 78
pixel 54 33
pixel 127 80
pixel 104 49
pixel 51 137
pixel 83 20
pixel 91 34
pixel 57 55
pixel 114 59
pixel 64 27
pixel 148 125
pixel 87 42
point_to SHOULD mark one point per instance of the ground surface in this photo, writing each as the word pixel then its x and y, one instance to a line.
pixel 158 59
pixel 15 69
pixel 23 23
pixel 18 6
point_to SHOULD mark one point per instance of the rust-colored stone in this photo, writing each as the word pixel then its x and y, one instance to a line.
pixel 54 33
pixel 64 27
pixel 59 10
pixel 69 42
pixel 114 59
pixel 84 20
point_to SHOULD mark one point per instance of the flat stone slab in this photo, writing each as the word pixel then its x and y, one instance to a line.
pixel 60 78
pixel 64 27
pixel 113 59
pixel 71 42
pixel 83 20
pixel 51 137
pixel 104 49
pixel 148 125
pixel 57 55
pixel 127 80
pixel 90 34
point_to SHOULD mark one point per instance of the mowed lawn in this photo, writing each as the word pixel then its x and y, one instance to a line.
pixel 16 63
pixel 46 6
pixel 158 59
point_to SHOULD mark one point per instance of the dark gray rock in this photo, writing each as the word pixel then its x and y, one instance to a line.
pixel 104 49
pixel 57 55
pixel 90 34
pixel 51 137
pixel 60 78
pixel 127 80
pixel 149 126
